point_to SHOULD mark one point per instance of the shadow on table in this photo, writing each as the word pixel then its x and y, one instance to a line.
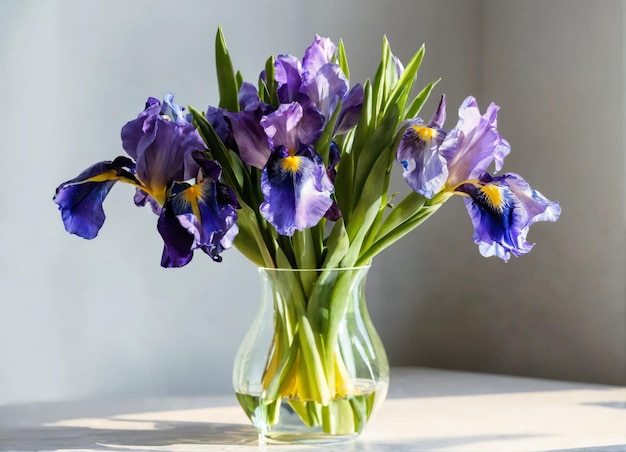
pixel 163 434
pixel 199 437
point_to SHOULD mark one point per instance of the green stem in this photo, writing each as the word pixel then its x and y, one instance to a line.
pixel 396 234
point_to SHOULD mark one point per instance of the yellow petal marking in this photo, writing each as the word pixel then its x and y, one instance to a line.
pixel 425 133
pixel 291 163
pixel 493 196
pixel 191 196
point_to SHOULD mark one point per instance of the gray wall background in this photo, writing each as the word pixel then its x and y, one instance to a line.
pixel 101 319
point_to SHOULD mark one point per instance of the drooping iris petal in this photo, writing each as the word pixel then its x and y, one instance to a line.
pixel 318 54
pixel 80 199
pixel 473 144
pixel 211 169
pixel 177 241
pixel 350 110
pixel 296 189
pixel 250 137
pixel 502 209
pixel 425 168
pixel 203 220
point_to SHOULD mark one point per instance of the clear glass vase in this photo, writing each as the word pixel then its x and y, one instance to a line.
pixel 312 368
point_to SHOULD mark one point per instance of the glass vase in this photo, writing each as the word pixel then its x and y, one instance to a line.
pixel 312 368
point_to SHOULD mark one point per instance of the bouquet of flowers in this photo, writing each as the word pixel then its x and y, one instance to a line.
pixel 293 170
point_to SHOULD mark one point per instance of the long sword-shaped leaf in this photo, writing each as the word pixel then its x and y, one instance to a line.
pixel 226 78
pixel 419 100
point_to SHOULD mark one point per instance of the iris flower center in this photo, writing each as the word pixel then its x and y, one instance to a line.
pixel 291 162
pixel 424 133
pixel 493 197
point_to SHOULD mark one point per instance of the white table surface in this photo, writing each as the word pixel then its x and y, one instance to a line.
pixel 426 409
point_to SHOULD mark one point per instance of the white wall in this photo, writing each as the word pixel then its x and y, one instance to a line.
pixel 100 318
pixel 557 70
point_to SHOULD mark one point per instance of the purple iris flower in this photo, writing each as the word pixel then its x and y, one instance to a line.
pixel 502 209
pixel 160 141
pixel 435 161
pixel 425 168
pixel 167 151
pixel 320 81
pixel 199 216
pixel 295 185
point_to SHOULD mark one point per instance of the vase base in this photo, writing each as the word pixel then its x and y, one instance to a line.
pixel 311 438
pixel 297 421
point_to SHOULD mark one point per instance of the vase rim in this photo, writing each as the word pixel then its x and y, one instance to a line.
pixel 360 267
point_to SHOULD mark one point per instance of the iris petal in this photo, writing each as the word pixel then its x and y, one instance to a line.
pixel 288 74
pixel 80 199
pixel 350 110
pixel 502 210
pixel 473 144
pixel 439 117
pixel 178 242
pixel 204 219
pixel 296 189
pixel 135 130
pixel 168 156
pixel 326 88
pixel 318 54
pixel 251 140
pixel 293 125
pixel 161 140
pixel 425 168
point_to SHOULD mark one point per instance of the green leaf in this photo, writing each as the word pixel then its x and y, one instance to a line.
pixel 343 59
pixel 304 249
pixel 231 167
pixel 420 99
pixel 240 80
pixel 271 84
pixel 249 233
pixel 380 139
pixel 379 87
pixel 337 245
pixel 402 212
pixel 226 79
pixel 362 131
pixel 246 242
pixel 399 94
pixel 397 233
pixel 366 210
pixel 322 145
